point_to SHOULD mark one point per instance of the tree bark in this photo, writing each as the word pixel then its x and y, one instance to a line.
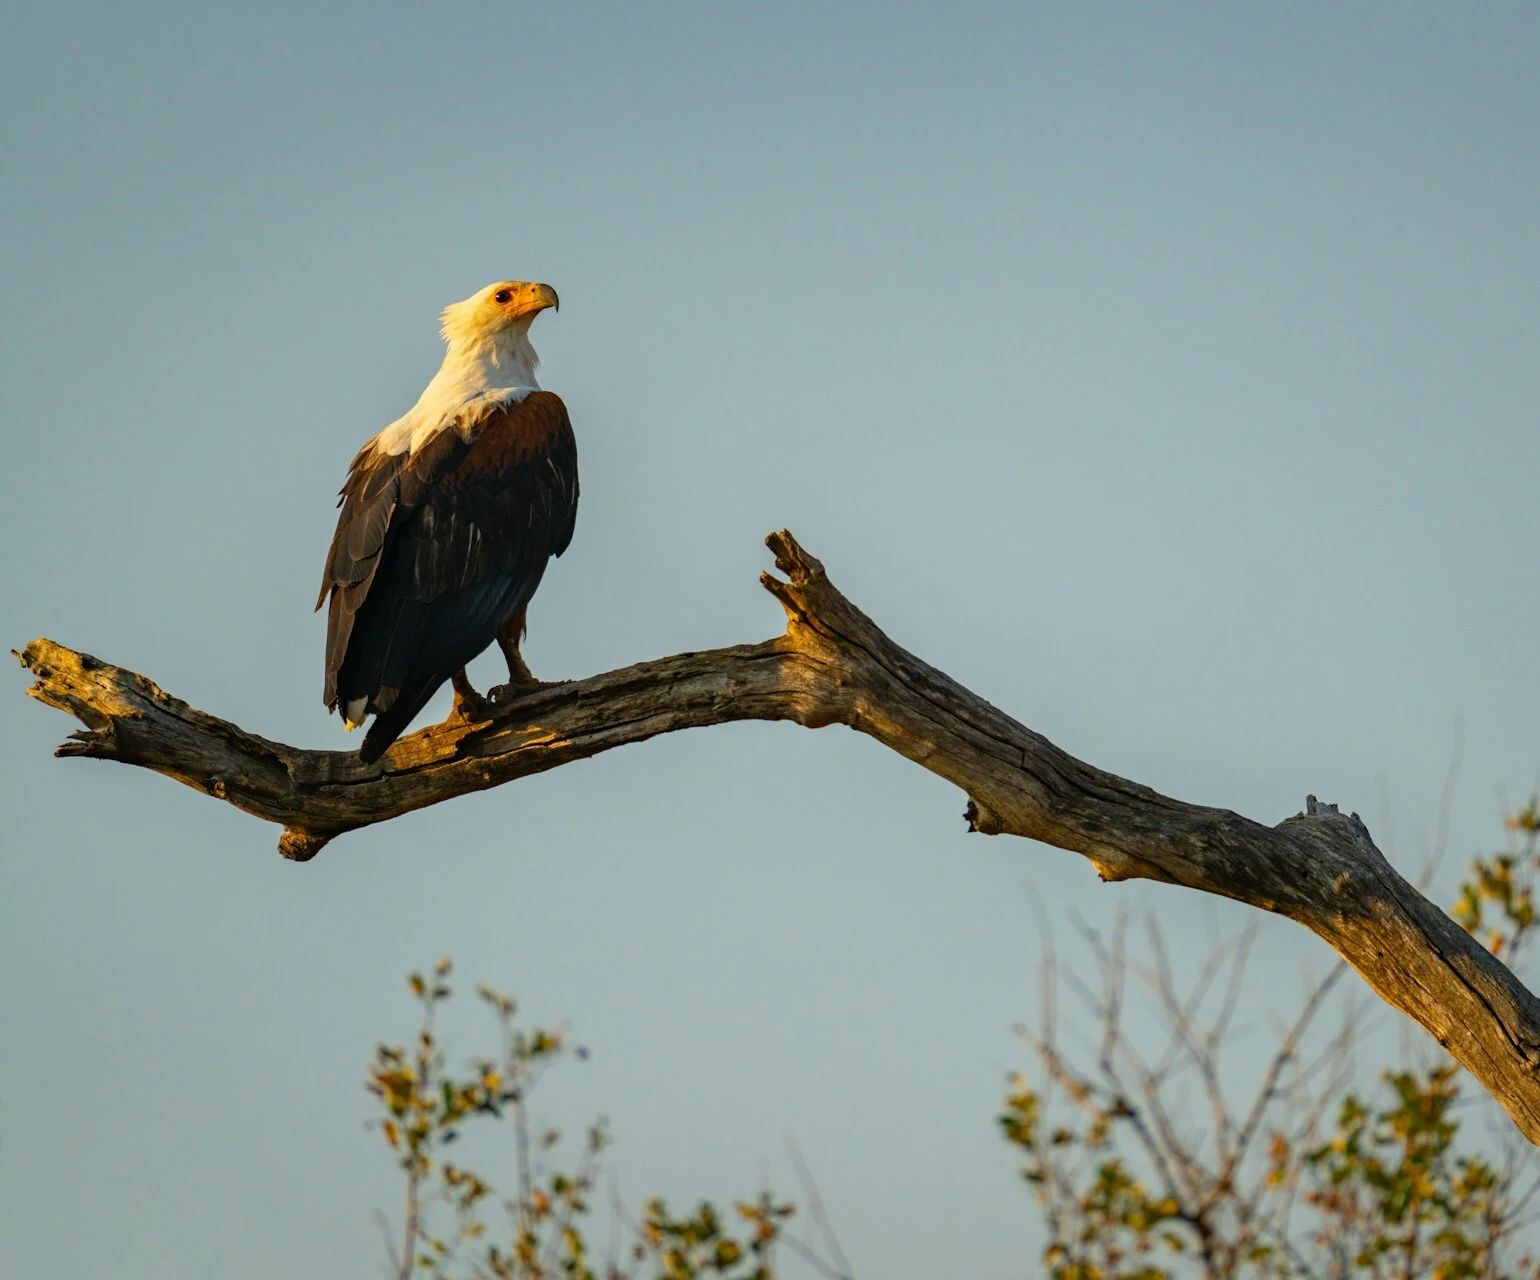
pixel 834 666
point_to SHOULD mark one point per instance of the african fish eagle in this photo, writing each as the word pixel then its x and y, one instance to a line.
pixel 449 517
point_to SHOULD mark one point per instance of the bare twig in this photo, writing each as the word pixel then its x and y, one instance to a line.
pixel 819 1216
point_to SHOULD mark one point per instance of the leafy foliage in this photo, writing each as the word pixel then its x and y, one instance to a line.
pixel 1395 1198
pixel 423 1108
pixel 1499 895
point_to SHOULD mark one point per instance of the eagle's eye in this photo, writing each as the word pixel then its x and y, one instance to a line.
pixel 504 295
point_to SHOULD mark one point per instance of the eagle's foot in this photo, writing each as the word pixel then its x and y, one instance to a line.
pixel 521 680
pixel 470 707
pixel 472 710
pixel 502 694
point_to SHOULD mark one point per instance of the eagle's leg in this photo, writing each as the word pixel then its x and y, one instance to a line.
pixel 521 679
pixel 470 706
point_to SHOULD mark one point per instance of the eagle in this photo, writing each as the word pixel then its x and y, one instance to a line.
pixel 448 519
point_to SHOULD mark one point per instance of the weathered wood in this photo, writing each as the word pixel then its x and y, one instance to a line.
pixel 835 666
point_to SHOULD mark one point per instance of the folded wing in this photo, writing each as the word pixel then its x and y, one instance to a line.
pixel 435 549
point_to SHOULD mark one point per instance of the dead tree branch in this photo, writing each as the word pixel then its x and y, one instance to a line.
pixel 834 666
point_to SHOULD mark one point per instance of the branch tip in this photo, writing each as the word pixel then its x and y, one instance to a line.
pixel 791 559
pixel 301 846
pixel 782 592
pixel 982 819
pixel 90 744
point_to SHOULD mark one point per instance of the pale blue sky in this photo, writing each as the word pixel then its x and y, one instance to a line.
pixel 1167 377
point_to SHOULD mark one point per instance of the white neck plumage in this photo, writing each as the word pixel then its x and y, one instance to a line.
pixel 495 367
pixel 504 359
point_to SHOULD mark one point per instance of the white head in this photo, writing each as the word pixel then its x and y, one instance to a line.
pixel 498 316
